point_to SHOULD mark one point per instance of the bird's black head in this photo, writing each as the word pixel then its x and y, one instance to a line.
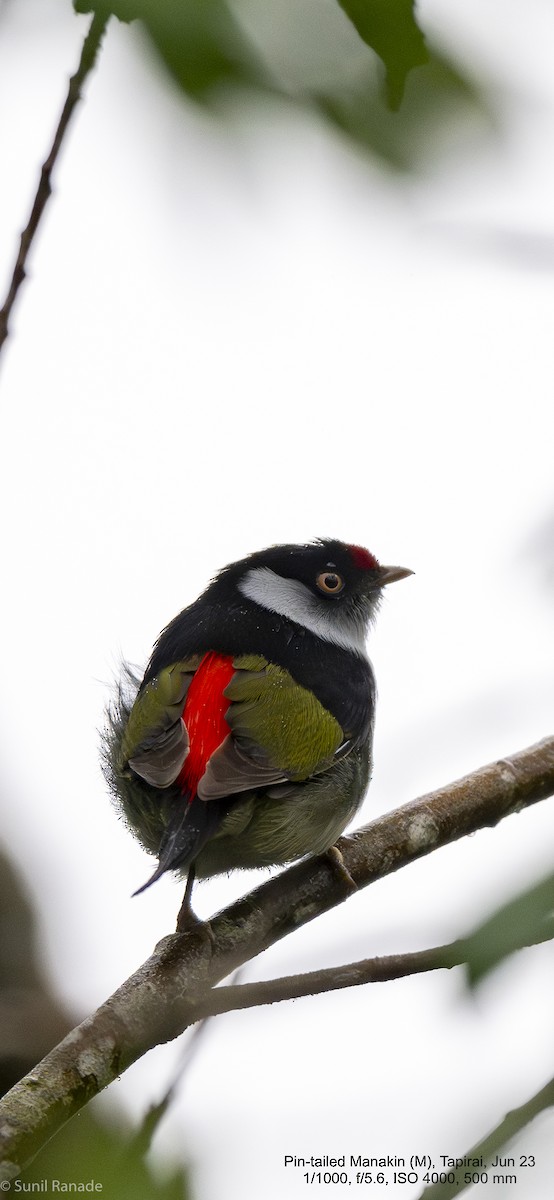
pixel 329 587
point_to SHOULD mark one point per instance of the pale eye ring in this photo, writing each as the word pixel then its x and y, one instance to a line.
pixel 330 583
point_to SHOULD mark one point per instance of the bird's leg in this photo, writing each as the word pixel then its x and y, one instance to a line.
pixel 337 862
pixel 187 919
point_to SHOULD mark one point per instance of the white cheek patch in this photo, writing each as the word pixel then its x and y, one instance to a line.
pixel 290 598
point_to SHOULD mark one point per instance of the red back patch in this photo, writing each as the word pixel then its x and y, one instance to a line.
pixel 204 716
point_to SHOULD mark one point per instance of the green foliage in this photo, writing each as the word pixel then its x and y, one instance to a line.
pixel 389 27
pixel 199 41
pixel 523 921
pixel 322 56
pixel 407 138
pixel 87 1151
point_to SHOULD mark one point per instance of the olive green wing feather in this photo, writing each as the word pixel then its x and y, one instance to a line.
pixel 280 732
pixel 155 741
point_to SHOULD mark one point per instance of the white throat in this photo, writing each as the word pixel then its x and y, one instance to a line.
pixel 289 598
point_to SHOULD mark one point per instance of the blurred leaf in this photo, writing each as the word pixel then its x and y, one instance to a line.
pixel 316 56
pixel 524 921
pixel 507 1129
pixel 117 8
pixel 390 28
pixel 18 935
pixel 199 41
pixel 405 139
pixel 86 1150
pixel 32 1019
pixel 125 10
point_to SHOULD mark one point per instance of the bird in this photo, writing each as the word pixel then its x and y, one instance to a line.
pixel 248 742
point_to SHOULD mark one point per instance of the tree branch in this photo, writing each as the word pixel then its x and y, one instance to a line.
pixel 331 979
pixel 89 52
pixel 165 995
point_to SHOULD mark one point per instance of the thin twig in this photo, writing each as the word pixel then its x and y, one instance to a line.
pixel 89 52
pixel 331 979
pixel 234 998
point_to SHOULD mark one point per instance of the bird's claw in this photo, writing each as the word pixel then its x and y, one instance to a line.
pixel 337 861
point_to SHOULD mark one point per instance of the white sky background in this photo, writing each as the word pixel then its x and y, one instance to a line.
pixel 236 337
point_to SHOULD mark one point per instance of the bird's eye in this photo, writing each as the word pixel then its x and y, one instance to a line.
pixel 330 583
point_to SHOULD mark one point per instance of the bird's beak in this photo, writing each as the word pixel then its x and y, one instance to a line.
pixel 391 574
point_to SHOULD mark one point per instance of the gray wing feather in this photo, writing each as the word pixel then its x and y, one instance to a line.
pixel 160 758
pixel 230 771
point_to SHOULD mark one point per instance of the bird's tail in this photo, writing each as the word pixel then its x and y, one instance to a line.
pixel 189 828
